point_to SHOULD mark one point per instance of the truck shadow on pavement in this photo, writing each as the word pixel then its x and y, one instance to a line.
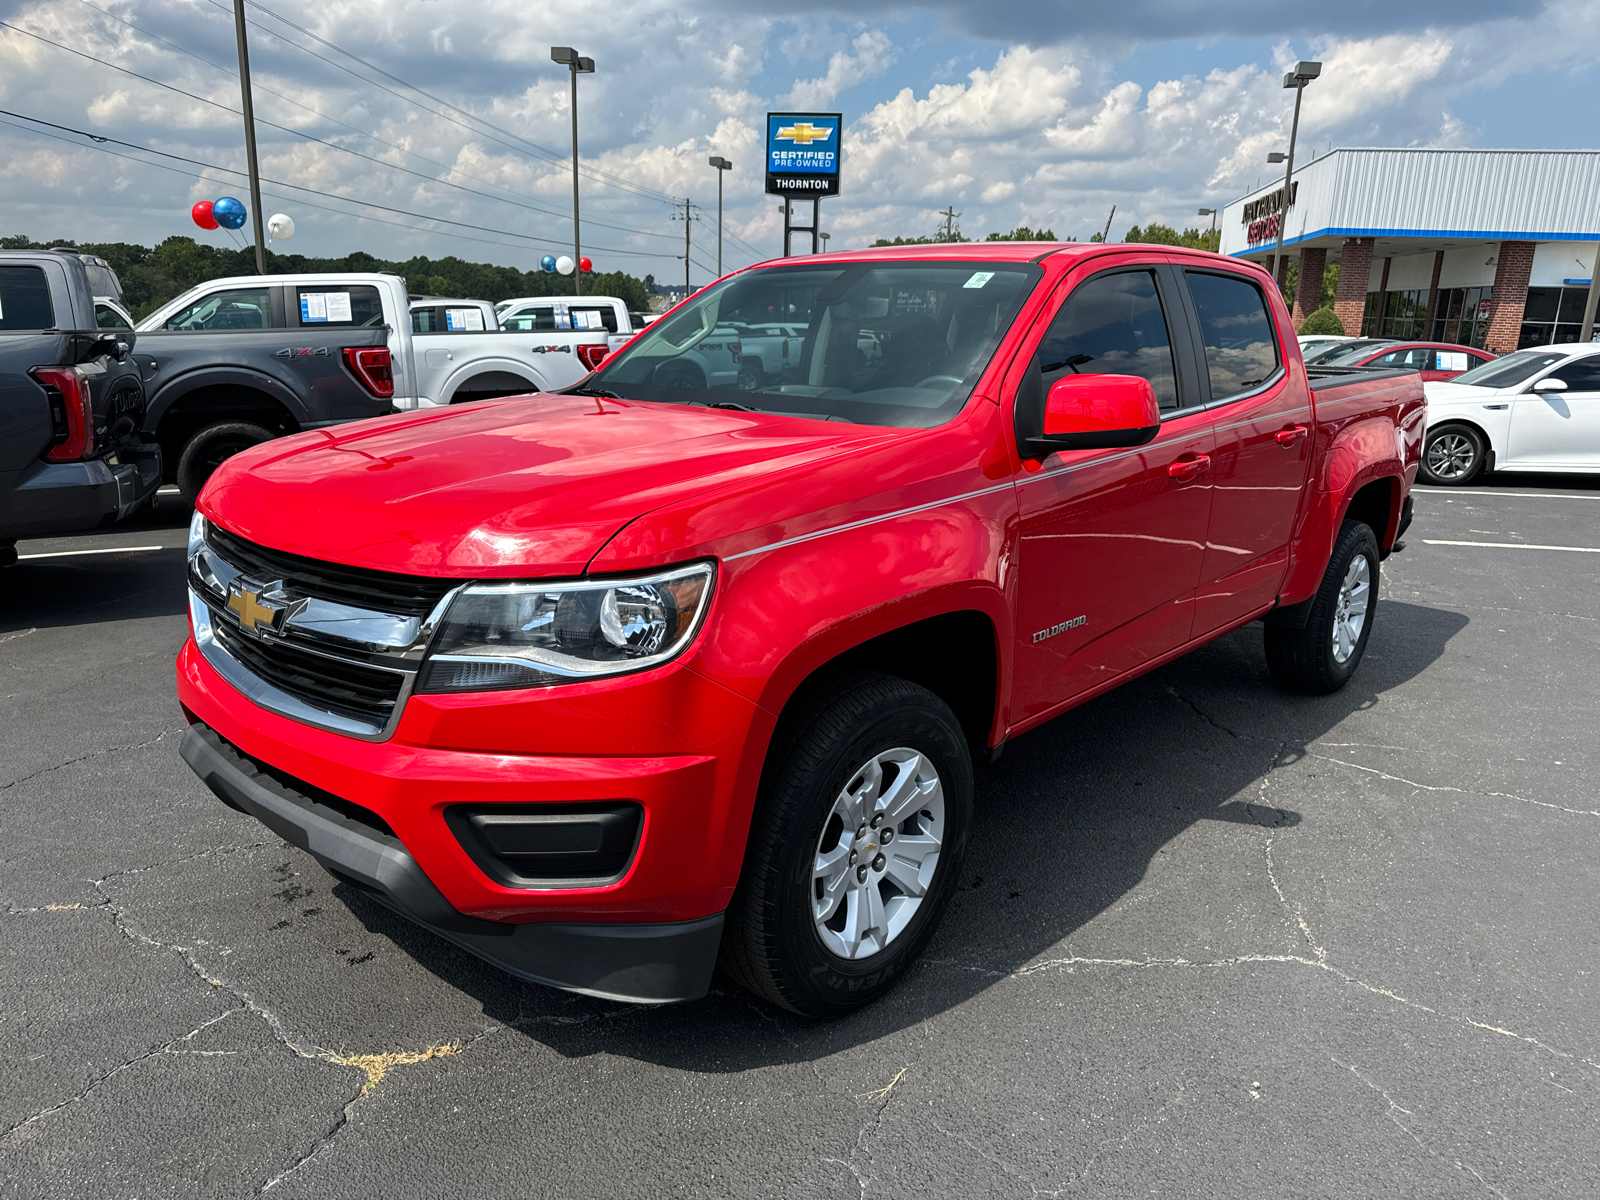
pixel 1068 823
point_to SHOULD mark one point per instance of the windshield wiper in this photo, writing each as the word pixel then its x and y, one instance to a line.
pixel 601 392
pixel 733 404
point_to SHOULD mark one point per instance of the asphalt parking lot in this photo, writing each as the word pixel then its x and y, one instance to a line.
pixel 1213 939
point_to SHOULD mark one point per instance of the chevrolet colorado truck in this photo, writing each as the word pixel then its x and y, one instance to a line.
pixel 613 685
pixel 71 405
pixel 236 362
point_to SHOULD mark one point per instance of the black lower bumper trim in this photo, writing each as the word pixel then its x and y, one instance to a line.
pixel 651 963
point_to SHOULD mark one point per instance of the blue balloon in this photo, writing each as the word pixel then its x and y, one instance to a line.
pixel 228 212
pixel 547 263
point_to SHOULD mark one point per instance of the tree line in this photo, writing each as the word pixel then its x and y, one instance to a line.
pixel 153 275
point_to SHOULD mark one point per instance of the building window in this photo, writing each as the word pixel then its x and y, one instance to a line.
pixel 1462 317
pixel 1369 315
pixel 1552 316
pixel 1405 314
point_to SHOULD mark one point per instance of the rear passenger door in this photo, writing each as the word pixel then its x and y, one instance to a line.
pixel 1111 540
pixel 1263 421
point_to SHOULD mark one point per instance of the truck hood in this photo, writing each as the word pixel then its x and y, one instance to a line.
pixel 530 486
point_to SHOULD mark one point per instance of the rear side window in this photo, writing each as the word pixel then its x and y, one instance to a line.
pixel 594 319
pixel 531 320
pixel 1113 325
pixel 106 317
pixel 237 308
pixel 25 299
pixel 357 306
pixel 1241 349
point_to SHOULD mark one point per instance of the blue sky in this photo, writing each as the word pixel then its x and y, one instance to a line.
pixel 1031 112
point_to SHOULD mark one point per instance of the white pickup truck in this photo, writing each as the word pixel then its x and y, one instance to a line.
pixel 588 320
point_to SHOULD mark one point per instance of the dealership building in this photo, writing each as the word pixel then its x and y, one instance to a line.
pixel 1489 248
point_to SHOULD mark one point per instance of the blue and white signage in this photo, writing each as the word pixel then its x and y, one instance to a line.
pixel 803 153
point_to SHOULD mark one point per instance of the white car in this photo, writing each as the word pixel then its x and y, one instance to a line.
pixel 1317 341
pixel 1534 410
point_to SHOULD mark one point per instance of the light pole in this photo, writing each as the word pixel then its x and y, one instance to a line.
pixel 1303 73
pixel 721 164
pixel 1212 213
pixel 569 58
pixel 824 237
pixel 250 137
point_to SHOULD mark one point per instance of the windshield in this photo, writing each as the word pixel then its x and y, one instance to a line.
pixel 1510 370
pixel 1345 354
pixel 879 343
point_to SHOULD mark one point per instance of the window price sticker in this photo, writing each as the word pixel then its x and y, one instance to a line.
pixel 322 307
pixel 458 319
pixel 978 279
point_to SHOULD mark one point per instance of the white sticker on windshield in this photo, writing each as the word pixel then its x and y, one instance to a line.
pixel 338 305
pixel 1450 360
pixel 979 278
pixel 456 319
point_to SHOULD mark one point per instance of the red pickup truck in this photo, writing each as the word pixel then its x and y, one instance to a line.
pixel 612 685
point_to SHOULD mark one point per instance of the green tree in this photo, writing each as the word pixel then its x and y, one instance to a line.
pixel 1165 235
pixel 1023 234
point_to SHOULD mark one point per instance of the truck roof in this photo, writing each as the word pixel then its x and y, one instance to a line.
pixel 998 251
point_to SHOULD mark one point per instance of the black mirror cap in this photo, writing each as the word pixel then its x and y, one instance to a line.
pixel 1108 439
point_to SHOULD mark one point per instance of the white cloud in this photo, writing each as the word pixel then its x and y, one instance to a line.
pixel 872 54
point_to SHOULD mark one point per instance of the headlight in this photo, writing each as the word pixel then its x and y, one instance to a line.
pixel 524 635
pixel 197 532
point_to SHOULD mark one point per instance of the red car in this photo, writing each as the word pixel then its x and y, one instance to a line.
pixel 1436 361
pixel 607 684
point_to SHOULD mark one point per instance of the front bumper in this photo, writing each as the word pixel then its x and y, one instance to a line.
pixel 652 962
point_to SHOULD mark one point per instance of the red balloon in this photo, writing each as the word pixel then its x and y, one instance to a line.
pixel 202 215
pixel 585 265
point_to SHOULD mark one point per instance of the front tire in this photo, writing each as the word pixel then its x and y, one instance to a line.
pixel 860 829
pixel 209 448
pixel 1453 455
pixel 1323 656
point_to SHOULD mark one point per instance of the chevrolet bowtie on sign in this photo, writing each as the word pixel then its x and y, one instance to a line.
pixel 803 154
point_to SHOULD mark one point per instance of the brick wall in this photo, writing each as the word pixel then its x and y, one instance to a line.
pixel 1280 272
pixel 1308 293
pixel 1513 265
pixel 1355 265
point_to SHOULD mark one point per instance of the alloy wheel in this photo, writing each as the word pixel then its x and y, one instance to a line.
pixel 1451 456
pixel 1350 611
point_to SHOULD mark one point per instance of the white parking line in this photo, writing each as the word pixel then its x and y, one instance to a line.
pixel 107 550
pixel 1514 546
pixel 1525 495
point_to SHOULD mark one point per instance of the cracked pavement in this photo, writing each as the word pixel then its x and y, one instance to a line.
pixel 1212 940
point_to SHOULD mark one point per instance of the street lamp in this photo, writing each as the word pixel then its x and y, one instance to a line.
pixel 1212 213
pixel 1303 73
pixel 721 164
pixel 824 237
pixel 569 58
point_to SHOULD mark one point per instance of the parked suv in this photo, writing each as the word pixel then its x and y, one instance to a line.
pixel 609 684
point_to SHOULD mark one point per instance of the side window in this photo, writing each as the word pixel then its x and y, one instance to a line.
pixel 424 320
pixel 106 317
pixel 25 299
pixel 359 306
pixel 531 320
pixel 1581 375
pixel 239 308
pixel 1113 325
pixel 1241 349
pixel 595 318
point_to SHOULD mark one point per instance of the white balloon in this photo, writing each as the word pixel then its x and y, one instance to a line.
pixel 280 225
pixel 564 264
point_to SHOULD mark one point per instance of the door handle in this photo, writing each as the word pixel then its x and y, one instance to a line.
pixel 1185 469
pixel 1291 434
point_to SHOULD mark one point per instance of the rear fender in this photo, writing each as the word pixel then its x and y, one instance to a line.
pixel 174 390
pixel 1361 452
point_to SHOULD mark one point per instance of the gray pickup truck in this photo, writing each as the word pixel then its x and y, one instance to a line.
pixel 72 407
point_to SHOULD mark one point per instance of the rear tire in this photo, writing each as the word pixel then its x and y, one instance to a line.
pixel 210 447
pixel 1323 656
pixel 821 924
pixel 1453 455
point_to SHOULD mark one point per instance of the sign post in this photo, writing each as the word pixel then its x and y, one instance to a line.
pixel 803 163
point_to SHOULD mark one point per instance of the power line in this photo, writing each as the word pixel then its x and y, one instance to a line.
pixel 319 141
pixel 314 191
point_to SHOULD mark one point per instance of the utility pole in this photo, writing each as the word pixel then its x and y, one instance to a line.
pixel 949 214
pixel 1586 332
pixel 1303 73
pixel 687 217
pixel 250 137
pixel 577 65
pixel 1107 234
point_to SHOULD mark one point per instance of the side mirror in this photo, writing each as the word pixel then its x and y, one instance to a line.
pixel 1550 385
pixel 1097 412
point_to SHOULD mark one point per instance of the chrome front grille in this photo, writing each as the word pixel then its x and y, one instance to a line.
pixel 333 646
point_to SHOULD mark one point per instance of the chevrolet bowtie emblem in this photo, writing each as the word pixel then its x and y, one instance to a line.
pixel 254 613
pixel 803 133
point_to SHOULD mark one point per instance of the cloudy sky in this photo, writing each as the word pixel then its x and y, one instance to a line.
pixel 451 117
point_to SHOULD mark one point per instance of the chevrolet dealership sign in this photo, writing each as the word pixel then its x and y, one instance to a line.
pixel 803 154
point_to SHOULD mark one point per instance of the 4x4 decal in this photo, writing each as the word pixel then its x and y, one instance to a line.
pixel 303 352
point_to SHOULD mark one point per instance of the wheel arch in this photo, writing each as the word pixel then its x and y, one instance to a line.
pixel 497 379
pixel 213 402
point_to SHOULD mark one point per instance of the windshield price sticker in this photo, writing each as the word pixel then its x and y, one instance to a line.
pixel 978 279
pixel 320 307
pixel 459 319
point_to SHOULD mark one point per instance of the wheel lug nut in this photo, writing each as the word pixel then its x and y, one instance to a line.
pixel 861 874
pixel 877 863
pixel 861 834
pixel 877 820
pixel 886 837
pixel 852 858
